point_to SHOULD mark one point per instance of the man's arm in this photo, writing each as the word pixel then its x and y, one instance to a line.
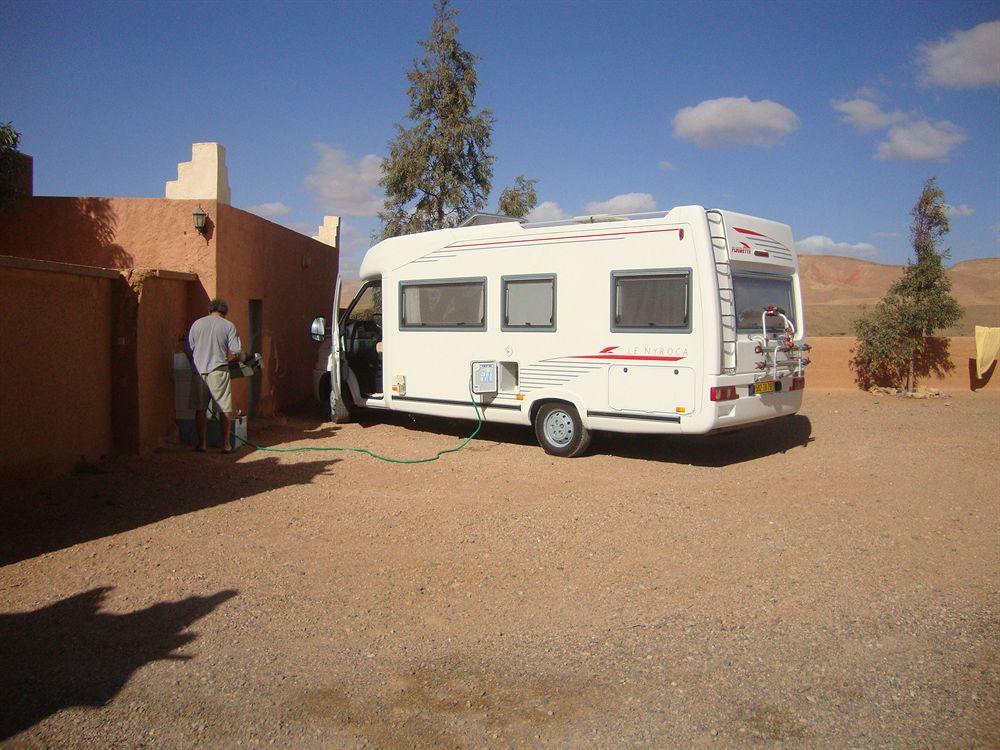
pixel 235 346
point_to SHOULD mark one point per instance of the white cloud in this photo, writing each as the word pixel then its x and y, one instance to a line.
pixel 921 141
pixel 547 211
pixel 667 166
pixel 866 115
pixel 277 208
pixel 343 188
pixel 965 59
pixel 626 203
pixel 959 211
pixel 735 121
pixel 882 235
pixel 818 244
pixel 869 92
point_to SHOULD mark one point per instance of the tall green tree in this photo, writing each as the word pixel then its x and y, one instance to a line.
pixel 518 199
pixel 438 171
pixel 11 165
pixel 896 340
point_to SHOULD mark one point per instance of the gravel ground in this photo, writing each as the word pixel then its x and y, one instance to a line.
pixel 829 580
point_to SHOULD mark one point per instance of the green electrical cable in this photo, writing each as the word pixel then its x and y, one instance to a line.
pixel 365 451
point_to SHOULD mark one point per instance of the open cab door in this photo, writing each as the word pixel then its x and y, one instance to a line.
pixel 339 410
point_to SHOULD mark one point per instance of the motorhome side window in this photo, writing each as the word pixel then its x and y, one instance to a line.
pixel 650 300
pixel 529 303
pixel 754 293
pixel 443 304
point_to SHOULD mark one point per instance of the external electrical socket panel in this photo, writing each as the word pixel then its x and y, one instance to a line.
pixel 484 377
pixel 399 385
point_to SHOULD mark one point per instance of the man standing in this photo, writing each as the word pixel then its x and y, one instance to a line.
pixel 214 344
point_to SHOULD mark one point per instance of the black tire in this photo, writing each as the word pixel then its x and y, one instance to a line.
pixel 560 431
pixel 341 412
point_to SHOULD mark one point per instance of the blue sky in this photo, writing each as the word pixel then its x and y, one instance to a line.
pixel 828 116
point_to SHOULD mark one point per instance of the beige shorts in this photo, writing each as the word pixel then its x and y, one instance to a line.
pixel 211 391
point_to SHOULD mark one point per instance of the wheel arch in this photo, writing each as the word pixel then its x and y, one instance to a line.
pixel 557 397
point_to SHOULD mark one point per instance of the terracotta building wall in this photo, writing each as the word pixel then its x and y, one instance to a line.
pixel 293 276
pixel 56 368
pixel 161 325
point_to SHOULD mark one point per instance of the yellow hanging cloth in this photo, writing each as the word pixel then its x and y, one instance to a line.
pixel 987 348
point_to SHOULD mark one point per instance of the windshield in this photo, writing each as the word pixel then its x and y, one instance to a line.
pixel 754 293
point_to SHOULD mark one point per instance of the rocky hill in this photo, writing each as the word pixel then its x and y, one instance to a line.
pixel 836 289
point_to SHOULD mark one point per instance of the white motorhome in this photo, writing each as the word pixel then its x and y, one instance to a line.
pixel 683 321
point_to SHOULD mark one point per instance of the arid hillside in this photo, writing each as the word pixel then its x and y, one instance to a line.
pixel 836 288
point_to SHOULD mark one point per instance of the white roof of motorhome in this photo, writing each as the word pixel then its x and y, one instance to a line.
pixel 395 252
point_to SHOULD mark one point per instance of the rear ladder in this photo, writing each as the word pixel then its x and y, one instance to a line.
pixel 726 292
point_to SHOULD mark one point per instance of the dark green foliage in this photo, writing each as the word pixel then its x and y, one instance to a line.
pixel 896 342
pixel 11 166
pixel 438 171
pixel 518 199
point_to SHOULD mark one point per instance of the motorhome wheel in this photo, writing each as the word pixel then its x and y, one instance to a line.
pixel 340 411
pixel 560 431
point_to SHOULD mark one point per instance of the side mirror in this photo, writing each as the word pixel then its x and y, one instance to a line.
pixel 317 331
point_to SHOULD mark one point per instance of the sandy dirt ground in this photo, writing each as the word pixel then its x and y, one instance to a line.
pixel 828 580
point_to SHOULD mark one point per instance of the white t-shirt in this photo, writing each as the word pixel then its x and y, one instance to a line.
pixel 211 339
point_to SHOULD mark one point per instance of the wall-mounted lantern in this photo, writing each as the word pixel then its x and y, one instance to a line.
pixel 200 219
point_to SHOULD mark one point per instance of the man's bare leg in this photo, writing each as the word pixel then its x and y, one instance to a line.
pixel 201 424
pixel 227 422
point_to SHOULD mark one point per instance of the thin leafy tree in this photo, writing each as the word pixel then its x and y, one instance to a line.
pixel 438 171
pixel 519 199
pixel 11 166
pixel 897 342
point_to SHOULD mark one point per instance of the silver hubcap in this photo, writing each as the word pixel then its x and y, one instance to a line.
pixel 558 428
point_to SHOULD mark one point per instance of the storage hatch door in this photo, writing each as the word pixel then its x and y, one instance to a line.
pixel 653 389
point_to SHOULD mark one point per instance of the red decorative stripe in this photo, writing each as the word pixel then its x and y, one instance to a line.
pixel 568 237
pixel 607 349
pixel 750 231
pixel 624 356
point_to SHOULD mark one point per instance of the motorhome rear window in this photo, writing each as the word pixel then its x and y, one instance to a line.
pixel 459 304
pixel 529 303
pixel 650 300
pixel 755 292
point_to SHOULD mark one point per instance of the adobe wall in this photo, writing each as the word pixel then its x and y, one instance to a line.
pixel 115 233
pixel 830 369
pixel 56 378
pixel 294 276
pixel 161 327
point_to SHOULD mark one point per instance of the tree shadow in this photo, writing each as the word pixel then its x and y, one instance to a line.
pixel 722 449
pixel 125 494
pixel 71 654
pixel 33 230
pixel 94 227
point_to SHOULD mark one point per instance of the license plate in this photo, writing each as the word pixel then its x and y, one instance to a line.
pixel 765 386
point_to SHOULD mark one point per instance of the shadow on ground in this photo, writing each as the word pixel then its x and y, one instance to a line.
pixel 724 449
pixel 71 654
pixel 125 494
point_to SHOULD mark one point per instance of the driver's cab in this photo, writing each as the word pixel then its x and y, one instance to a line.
pixel 350 370
pixel 361 334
